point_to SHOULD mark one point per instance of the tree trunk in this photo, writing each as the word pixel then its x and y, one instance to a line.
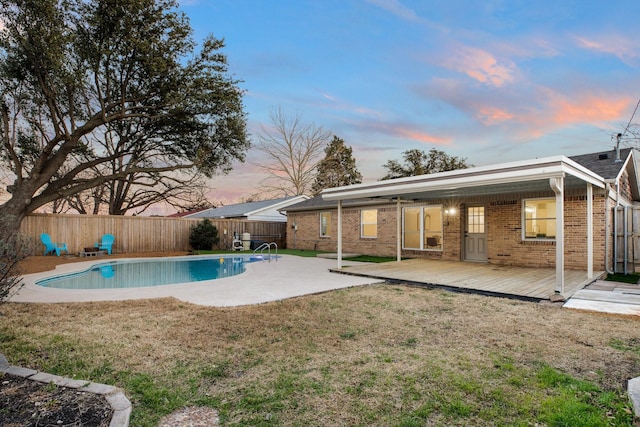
pixel 13 211
pixel 11 216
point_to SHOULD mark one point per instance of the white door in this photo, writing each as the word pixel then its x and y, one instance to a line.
pixel 475 235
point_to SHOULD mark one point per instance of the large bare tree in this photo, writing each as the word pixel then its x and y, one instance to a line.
pixel 292 149
pixel 72 71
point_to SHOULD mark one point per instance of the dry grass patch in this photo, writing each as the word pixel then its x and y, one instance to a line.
pixel 377 355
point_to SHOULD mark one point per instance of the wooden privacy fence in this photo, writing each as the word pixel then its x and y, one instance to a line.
pixel 142 234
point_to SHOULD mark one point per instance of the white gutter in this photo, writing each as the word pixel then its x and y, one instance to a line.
pixel 468 178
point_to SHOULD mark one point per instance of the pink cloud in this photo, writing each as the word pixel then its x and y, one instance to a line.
pixel 480 65
pixel 623 48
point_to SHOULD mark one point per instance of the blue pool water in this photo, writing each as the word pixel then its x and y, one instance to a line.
pixel 136 274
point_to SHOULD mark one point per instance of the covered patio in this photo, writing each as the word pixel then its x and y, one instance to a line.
pixel 538 176
pixel 533 284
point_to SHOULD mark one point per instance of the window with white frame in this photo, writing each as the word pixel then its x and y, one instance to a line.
pixel 325 224
pixel 369 223
pixel 422 228
pixel 539 218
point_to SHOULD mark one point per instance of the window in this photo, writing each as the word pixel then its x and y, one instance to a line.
pixel 539 217
pixel 325 224
pixel 369 223
pixel 475 220
pixel 412 228
pixel 422 228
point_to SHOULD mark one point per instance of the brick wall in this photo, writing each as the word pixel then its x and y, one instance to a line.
pixel 503 226
pixel 307 235
pixel 506 247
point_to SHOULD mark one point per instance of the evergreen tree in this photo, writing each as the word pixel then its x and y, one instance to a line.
pixel 337 168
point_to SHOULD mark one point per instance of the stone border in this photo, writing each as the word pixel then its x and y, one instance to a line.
pixel 116 398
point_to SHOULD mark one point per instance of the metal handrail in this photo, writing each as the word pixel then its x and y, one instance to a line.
pixel 266 246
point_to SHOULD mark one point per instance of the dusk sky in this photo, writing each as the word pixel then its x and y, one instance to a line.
pixel 491 81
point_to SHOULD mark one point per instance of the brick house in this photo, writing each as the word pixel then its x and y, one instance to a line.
pixel 553 212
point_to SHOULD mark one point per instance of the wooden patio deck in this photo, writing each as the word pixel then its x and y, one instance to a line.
pixel 506 281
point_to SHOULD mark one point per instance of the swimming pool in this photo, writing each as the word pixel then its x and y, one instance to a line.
pixel 148 272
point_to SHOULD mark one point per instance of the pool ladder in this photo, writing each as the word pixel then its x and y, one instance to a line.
pixel 267 247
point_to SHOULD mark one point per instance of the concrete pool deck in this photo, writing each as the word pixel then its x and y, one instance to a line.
pixel 263 281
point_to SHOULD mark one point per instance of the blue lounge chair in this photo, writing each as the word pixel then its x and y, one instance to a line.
pixel 106 243
pixel 107 271
pixel 50 246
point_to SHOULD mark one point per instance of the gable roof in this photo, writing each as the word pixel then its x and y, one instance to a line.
pixel 604 163
pixel 242 210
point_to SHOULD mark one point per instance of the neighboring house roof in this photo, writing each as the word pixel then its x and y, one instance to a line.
pixel 263 209
pixel 528 175
pixel 186 213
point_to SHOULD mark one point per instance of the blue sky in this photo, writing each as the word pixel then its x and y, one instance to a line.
pixel 491 81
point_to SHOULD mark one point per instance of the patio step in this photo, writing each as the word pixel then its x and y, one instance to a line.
pixel 624 297
pixel 614 302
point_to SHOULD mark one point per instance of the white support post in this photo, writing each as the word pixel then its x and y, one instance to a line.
pixel 557 185
pixel 339 233
pixel 398 231
pixel 590 231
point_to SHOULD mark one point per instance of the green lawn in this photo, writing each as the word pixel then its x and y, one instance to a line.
pixel 632 278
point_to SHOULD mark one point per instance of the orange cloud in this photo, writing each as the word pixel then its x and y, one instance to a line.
pixel 413 134
pixel 560 111
pixel 480 65
pixel 492 115
pixel 587 109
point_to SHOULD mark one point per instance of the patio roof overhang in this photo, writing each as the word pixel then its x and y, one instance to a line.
pixel 514 177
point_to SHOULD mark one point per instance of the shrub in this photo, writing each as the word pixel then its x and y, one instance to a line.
pixel 203 236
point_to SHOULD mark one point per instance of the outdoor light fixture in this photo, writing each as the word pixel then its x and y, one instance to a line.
pixel 449 212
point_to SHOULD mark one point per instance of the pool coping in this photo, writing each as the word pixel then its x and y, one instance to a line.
pixel 290 276
pixel 100 263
